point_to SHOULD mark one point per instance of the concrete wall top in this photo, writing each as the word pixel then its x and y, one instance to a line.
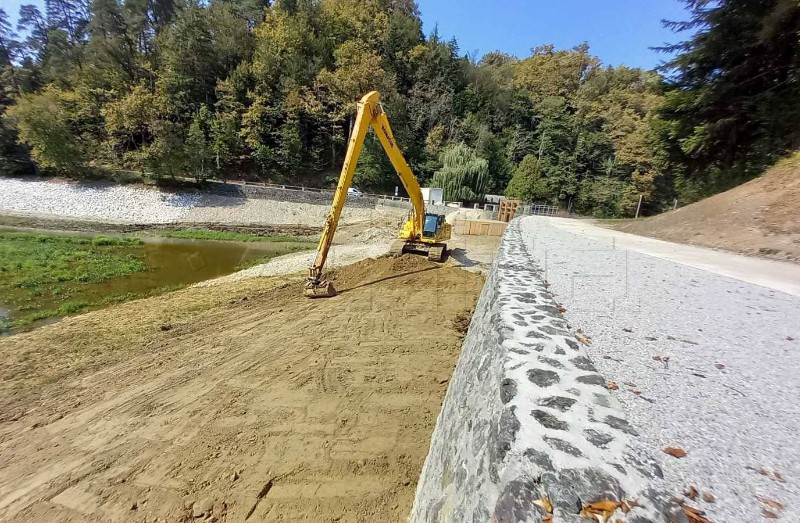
pixel 527 417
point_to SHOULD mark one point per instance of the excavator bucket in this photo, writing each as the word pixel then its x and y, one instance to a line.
pixel 324 289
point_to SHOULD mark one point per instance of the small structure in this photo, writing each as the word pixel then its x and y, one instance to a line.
pixel 433 195
pixel 479 227
pixel 508 208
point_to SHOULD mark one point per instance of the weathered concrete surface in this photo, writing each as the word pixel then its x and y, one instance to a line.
pixel 527 416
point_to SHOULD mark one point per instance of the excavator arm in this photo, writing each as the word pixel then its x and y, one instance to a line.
pixel 369 114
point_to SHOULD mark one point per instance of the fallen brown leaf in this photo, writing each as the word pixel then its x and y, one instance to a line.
pixel 657 357
pixel 762 471
pixel 650 338
pixel 691 492
pixel 708 497
pixel 779 476
pixel 769 514
pixel 584 339
pixel 600 510
pixel 720 366
pixel 770 503
pixel 562 309
pixel 626 329
pixel 630 384
pixel 612 385
pixel 675 452
pixel 695 515
pixel 545 504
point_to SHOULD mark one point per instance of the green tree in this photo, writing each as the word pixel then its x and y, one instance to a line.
pixel 464 175
pixel 528 184
pixel 731 104
pixel 199 146
pixel 44 127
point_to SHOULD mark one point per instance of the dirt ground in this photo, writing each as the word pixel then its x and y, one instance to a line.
pixel 760 217
pixel 242 401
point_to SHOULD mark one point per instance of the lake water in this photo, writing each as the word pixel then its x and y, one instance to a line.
pixel 172 262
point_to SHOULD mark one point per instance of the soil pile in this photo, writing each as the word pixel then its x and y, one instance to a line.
pixel 760 217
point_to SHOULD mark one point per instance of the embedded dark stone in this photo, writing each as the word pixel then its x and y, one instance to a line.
pixel 560 351
pixel 619 468
pixel 620 424
pixel 563 446
pixel 572 344
pixel 575 487
pixel 539 458
pixel 648 469
pixel 597 438
pixel 549 421
pixel 553 331
pixel 526 297
pixel 602 399
pixel 536 334
pixel 666 507
pixel 552 362
pixel 574 392
pixel 484 368
pixel 508 389
pixel 520 351
pixel 592 379
pixel 583 363
pixel 515 503
pixel 558 402
pixel 549 308
pixel 501 436
pixel 543 378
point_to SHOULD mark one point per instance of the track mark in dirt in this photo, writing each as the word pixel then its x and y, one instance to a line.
pixel 261 495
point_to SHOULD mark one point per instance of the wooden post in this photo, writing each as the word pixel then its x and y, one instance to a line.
pixel 639 207
pixel 675 206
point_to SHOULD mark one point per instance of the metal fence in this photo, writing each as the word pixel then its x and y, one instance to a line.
pixel 535 209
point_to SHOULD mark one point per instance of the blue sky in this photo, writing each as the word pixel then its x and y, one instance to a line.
pixel 618 31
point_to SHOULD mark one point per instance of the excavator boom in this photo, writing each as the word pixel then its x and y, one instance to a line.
pixel 369 114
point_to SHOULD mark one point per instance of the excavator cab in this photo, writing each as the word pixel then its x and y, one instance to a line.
pixel 432 225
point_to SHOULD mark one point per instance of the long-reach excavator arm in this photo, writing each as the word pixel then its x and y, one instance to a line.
pixel 420 233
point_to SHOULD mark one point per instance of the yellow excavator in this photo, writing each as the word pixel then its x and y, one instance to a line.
pixel 423 232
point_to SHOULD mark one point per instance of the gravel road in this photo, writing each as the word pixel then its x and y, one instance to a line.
pixel 704 362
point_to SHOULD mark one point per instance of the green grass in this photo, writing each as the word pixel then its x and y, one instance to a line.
pixel 40 274
pixel 264 259
pixel 210 234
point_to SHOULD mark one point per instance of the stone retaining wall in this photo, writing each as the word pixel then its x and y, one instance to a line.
pixel 527 416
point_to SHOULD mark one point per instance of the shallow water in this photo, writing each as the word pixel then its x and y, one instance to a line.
pixel 171 262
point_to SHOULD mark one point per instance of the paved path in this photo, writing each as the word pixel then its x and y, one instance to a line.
pixel 781 276
pixel 705 348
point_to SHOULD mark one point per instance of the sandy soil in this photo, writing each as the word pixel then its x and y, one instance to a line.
pixel 242 401
pixel 759 217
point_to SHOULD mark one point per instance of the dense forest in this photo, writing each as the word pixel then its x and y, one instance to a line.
pixel 267 90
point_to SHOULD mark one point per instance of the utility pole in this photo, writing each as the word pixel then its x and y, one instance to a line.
pixel 639 206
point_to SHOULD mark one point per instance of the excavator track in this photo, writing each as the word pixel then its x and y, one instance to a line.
pixel 397 248
pixel 436 253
